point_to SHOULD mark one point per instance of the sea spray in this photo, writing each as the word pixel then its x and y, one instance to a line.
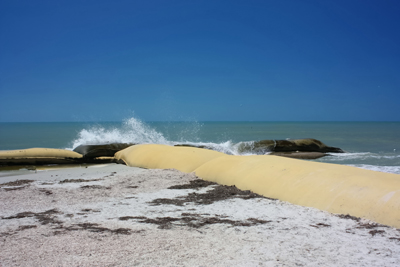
pixel 185 131
pixel 368 144
pixel 235 139
pixel 132 130
pixel 225 147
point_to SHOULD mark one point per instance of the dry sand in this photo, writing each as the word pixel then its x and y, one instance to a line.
pixel 113 215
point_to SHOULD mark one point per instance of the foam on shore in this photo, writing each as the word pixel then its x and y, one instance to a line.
pixel 333 188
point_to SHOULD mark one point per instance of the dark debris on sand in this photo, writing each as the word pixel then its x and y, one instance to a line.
pixel 93 227
pixel 46 217
pixel 217 193
pixel 19 184
pixel 14 188
pixel 78 181
pixel 368 226
pixel 320 225
pixel 349 217
pixel 20 228
pixel 45 191
pixel 49 218
pixel 95 187
pixel 192 220
pixel 195 184
pixel 374 232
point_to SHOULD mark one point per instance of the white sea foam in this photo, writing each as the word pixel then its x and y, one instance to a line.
pixel 360 156
pixel 132 131
pixel 135 131
pixel 389 169
pixel 225 147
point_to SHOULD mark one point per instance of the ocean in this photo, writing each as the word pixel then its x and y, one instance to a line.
pixel 369 145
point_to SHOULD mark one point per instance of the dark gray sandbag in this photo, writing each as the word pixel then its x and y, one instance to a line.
pixel 305 145
pixel 302 145
pixel 39 161
pixel 100 160
pixel 106 150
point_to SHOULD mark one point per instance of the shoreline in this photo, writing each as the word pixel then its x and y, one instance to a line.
pixel 108 214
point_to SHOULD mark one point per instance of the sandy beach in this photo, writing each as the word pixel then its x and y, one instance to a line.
pixel 114 215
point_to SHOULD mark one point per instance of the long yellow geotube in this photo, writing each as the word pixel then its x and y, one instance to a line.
pixel 185 159
pixel 334 188
pixel 39 153
pixel 330 187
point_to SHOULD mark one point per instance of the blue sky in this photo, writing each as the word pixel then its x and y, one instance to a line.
pixel 300 60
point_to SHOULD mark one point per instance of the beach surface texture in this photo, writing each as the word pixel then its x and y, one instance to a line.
pixel 115 215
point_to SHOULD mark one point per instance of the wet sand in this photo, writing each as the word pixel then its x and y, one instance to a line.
pixel 114 215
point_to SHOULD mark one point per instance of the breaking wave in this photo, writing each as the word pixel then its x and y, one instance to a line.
pixel 131 131
pixel 135 131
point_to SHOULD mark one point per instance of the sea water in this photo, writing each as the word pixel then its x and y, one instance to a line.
pixel 369 145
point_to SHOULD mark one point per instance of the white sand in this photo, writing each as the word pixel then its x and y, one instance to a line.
pixel 294 235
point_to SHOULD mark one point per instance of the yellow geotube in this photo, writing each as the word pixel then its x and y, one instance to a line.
pixel 185 159
pixel 39 153
pixel 334 188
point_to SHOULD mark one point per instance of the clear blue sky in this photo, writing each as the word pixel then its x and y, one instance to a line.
pixel 281 60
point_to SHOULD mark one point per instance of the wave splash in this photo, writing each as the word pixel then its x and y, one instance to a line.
pixel 135 131
pixel 132 131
